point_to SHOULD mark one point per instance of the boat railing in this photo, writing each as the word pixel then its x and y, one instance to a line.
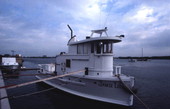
pixel 101 31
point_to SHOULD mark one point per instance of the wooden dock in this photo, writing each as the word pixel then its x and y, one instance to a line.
pixel 4 103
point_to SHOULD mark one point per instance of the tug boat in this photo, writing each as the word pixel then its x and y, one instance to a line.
pixel 100 80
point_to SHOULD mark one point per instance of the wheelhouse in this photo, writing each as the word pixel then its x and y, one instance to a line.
pixel 93 45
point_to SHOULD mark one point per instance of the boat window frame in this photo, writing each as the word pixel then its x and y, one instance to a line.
pixel 85 48
pixel 107 47
pixel 92 47
pixel 99 46
pixel 68 63
pixel 80 48
pixel 104 47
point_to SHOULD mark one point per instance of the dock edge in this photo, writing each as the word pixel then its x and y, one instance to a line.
pixel 4 103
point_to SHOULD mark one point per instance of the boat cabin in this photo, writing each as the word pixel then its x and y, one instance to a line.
pixel 94 53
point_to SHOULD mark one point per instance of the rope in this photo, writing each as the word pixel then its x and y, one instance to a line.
pixel 28 94
pixel 40 80
pixel 132 92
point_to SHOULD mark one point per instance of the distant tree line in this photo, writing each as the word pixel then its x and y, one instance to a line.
pixel 126 57
pixel 38 57
pixel 146 57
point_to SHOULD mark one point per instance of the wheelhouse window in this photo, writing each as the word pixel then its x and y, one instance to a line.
pixel 103 47
pixel 99 47
pixel 107 47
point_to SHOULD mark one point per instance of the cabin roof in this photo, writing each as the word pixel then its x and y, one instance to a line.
pixel 96 39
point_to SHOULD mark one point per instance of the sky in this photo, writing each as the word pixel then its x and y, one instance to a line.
pixel 39 27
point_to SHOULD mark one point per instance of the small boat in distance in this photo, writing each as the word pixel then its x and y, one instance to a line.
pixel 97 78
pixel 132 60
pixel 10 62
pixel 142 58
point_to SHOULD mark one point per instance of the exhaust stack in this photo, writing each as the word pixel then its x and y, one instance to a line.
pixel 71 31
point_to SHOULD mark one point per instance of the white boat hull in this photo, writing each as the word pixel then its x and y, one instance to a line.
pixel 101 90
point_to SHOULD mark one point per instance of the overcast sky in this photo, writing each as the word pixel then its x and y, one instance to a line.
pixel 39 27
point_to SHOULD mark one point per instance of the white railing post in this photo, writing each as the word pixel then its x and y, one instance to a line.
pixel 118 70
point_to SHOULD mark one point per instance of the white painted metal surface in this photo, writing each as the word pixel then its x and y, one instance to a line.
pixel 46 68
pixel 9 61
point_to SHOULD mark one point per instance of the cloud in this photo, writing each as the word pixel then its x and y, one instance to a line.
pixel 161 40
pixel 143 15
pixel 40 27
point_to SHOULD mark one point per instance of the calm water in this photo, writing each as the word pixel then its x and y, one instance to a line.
pixel 152 80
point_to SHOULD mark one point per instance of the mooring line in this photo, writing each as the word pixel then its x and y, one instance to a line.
pixel 28 94
pixel 40 80
pixel 132 92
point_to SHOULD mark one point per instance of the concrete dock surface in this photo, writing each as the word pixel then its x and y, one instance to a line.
pixel 4 103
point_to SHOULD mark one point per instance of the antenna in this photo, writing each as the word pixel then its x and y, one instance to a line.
pixel 71 31
pixel 13 52
pixel 121 36
pixel 142 52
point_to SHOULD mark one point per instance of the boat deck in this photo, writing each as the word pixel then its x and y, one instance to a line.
pixel 112 78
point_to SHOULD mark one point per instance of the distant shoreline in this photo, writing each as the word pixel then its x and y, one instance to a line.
pixel 39 57
pixel 121 57
pixel 146 57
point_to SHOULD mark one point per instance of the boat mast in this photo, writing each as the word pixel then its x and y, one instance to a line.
pixel 12 52
pixel 142 52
